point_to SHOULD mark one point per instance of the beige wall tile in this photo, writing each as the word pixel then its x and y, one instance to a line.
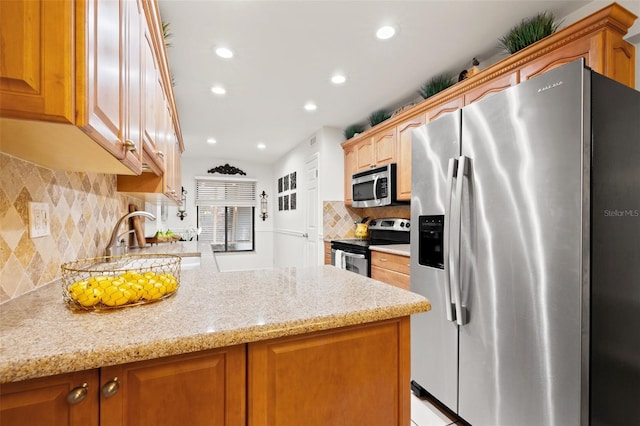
pixel 83 208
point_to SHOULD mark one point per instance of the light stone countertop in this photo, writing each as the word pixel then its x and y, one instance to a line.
pixel 178 248
pixel 40 336
pixel 401 249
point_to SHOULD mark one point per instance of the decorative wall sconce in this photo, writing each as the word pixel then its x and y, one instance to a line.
pixel 182 208
pixel 263 206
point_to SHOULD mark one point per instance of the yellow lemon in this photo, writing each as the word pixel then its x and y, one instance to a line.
pixel 162 288
pixel 76 288
pixel 137 292
pixel 110 289
pixel 152 293
pixel 172 285
pixel 90 297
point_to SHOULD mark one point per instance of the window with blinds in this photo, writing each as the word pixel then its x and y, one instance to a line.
pixel 226 212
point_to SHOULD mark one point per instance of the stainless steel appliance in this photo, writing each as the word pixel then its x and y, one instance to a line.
pixel 375 187
pixel 354 254
pixel 527 205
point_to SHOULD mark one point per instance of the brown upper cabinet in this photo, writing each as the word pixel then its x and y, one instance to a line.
pixel 598 38
pixel 376 151
pixel 62 106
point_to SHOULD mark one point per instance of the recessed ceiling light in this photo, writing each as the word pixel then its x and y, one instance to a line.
pixel 211 141
pixel 261 146
pixel 225 53
pixel 385 32
pixel 338 79
pixel 310 106
pixel 218 90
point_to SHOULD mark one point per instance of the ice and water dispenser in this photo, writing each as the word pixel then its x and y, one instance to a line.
pixel 431 240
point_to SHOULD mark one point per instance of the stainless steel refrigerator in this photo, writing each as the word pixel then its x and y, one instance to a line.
pixel 525 237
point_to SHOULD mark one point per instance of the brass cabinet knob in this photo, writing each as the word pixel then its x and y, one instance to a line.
pixel 160 154
pixel 111 388
pixel 78 394
pixel 130 146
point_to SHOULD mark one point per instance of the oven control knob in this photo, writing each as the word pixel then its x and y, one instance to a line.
pixel 401 224
pixel 408 224
pixel 373 222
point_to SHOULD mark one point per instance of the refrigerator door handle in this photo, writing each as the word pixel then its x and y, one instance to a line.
pixel 463 169
pixel 451 172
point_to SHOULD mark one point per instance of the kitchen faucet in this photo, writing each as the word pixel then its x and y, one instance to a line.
pixel 115 246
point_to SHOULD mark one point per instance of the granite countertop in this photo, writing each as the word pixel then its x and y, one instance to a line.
pixel 178 248
pixel 40 336
pixel 401 249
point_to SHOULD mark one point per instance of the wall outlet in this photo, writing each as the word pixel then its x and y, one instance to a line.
pixel 39 220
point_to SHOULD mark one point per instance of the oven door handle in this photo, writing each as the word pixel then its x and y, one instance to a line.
pixel 355 256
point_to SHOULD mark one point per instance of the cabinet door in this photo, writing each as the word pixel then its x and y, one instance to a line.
pixel 568 53
pixel 347 376
pixel 201 388
pixel 327 253
pixel 449 106
pixel 492 86
pixel 45 401
pixel 106 80
pixel 350 167
pixel 365 157
pixel 384 147
pixel 390 277
pixel 403 156
pixel 134 78
pixel 390 268
pixel 30 56
pixel 151 98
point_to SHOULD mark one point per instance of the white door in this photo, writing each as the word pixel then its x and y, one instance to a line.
pixel 311 180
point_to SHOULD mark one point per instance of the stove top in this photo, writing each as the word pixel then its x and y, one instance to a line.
pixel 354 241
pixel 382 232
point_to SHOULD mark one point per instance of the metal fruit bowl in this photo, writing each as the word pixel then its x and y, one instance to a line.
pixel 110 282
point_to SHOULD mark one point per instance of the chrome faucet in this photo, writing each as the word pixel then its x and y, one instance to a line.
pixel 115 246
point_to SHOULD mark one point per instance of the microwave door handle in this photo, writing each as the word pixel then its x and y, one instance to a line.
pixel 375 189
pixel 449 307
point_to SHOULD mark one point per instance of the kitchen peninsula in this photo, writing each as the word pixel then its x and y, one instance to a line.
pixel 314 345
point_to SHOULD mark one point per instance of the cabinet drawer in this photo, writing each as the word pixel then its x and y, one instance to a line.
pixel 394 262
pixel 390 277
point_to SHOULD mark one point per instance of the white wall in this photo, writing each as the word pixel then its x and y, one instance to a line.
pixel 289 245
pixel 262 257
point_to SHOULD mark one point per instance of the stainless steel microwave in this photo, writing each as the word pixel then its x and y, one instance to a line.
pixel 375 187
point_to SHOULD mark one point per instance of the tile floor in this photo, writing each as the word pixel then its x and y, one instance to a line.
pixel 424 413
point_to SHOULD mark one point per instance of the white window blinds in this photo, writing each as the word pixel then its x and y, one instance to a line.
pixel 225 191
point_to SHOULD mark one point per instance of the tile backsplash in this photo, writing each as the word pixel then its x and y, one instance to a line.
pixel 338 219
pixel 83 209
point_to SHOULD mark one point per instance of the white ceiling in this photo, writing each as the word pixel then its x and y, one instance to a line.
pixel 286 52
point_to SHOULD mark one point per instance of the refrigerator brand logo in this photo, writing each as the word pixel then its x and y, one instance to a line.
pixel 622 213
pixel 550 86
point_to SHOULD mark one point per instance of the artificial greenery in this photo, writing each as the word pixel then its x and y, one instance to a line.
pixel 529 31
pixel 350 131
pixel 166 34
pixel 378 117
pixel 436 84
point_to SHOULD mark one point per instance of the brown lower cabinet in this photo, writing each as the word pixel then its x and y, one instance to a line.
pixel 350 375
pixel 391 268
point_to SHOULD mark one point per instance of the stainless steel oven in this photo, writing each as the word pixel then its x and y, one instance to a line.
pixel 354 254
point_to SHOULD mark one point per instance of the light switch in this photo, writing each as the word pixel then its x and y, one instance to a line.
pixel 39 220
